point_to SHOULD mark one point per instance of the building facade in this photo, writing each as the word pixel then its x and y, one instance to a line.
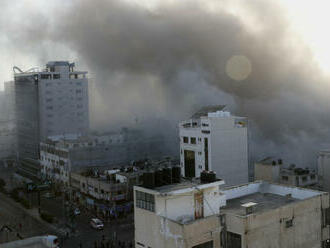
pixel 179 215
pixel 274 171
pixel 50 102
pixel 215 140
pixel 255 215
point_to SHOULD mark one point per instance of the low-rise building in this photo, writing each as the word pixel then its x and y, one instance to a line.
pixel 60 155
pixel 102 189
pixel 274 171
pixel 193 214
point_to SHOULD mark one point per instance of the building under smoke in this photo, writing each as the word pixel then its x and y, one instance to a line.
pixel 53 101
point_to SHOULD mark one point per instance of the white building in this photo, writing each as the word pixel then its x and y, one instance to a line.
pixel 215 140
pixel 50 102
pixel 323 169
pixel 258 215
pixel 179 215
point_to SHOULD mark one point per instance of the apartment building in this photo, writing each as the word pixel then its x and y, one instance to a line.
pixel 275 171
pixel 215 140
pixel 61 154
pixel 193 214
pixel 48 102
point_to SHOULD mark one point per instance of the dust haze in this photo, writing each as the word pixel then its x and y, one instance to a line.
pixel 155 66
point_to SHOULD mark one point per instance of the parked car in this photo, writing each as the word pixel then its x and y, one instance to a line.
pixel 76 211
pixel 96 224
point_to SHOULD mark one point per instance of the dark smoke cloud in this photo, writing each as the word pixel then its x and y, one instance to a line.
pixel 166 62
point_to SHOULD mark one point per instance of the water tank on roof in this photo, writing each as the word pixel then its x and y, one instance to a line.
pixel 159 178
pixel 167 175
pixel 204 176
pixel 208 177
pixel 212 176
pixel 149 179
pixel 176 174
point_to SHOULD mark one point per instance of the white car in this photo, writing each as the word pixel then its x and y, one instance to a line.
pixel 96 224
pixel 76 211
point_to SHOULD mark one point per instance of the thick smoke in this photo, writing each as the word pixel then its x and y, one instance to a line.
pixel 149 65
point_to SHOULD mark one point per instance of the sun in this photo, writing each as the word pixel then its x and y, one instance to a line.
pixel 310 19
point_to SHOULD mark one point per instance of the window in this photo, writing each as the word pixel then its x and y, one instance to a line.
pixel 145 201
pixel 49 107
pixel 193 140
pixel 234 240
pixel 312 177
pixel 78 83
pixel 205 124
pixel 45 76
pixel 78 91
pixel 56 76
pixel 289 223
pixel 325 217
pixel 304 178
pixel 96 190
pixel 185 140
pixel 49 99
pixel 285 178
pixel 206 131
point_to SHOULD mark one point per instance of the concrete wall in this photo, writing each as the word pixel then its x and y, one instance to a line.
pixel 156 231
pixel 323 166
pixel 265 172
pixel 268 229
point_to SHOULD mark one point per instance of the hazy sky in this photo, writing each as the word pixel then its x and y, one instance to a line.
pixel 308 18
pixel 268 60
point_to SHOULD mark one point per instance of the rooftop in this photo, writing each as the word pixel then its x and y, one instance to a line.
pixel 266 195
pixel 185 186
pixel 207 109
pixel 260 202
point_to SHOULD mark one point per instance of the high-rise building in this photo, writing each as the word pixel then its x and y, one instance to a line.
pixel 50 102
pixel 214 140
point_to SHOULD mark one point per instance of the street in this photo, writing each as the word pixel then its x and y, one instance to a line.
pixel 21 220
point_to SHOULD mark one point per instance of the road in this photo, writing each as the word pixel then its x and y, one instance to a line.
pixel 13 216
pixel 123 228
pixel 19 221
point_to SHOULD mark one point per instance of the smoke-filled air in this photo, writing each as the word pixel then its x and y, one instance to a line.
pixel 158 63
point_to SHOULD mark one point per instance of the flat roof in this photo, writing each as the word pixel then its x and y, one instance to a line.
pixel 262 202
pixel 183 186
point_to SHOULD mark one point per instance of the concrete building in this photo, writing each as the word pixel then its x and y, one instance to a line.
pixel 262 215
pixel 59 155
pixel 323 169
pixel 258 215
pixel 50 102
pixel 215 140
pixel 274 171
pixel 7 122
pixel 109 192
pixel 178 215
